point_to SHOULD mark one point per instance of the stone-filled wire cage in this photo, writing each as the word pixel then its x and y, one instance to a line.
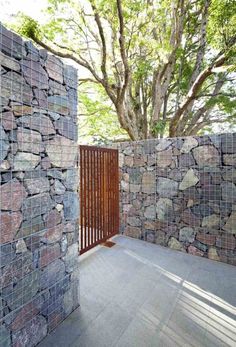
pixel 181 193
pixel 38 192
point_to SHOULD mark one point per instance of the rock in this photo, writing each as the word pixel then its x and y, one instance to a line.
pixel 129 161
pixel 64 244
pixel 10 223
pixel 194 251
pixel 29 141
pixel 5 337
pixel 206 156
pixel 228 191
pixel 12 195
pixel 16 295
pixel 167 187
pixel 149 183
pixel 41 99
pixel 187 234
pixel 189 218
pixel 228 143
pixel 4 144
pixel 14 88
pixel 37 185
pixel 57 88
pixel 71 258
pixel 53 234
pixel 134 221
pixel 230 225
pixel 33 332
pixel 71 206
pixel 34 74
pixel 53 273
pixel 49 253
pixel 45 163
pixel 207 239
pixel 163 144
pixel 54 68
pixel 164 209
pixel 32 226
pixel 175 244
pixel 54 173
pixel 21 110
pixel 189 144
pixel 164 158
pixel 229 159
pixel 70 76
pixel 226 241
pixel 58 104
pixel 5 165
pixel 229 174
pixel 68 301
pixel 186 160
pixel 200 246
pixel 135 188
pixel 67 128
pixel 212 254
pixel 190 179
pixel 7 254
pixel 160 238
pixel 8 121
pixel 124 186
pixel 36 205
pixel 59 207
pixel 211 192
pixel 62 152
pixel 38 122
pixel 133 232
pixel 24 315
pixel 52 218
pixel 150 212
pixel 202 210
pixel 9 62
pixel 212 221
pixel 59 188
pixel 21 246
pixel 70 179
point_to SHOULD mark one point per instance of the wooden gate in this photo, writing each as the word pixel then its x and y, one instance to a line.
pixel 99 195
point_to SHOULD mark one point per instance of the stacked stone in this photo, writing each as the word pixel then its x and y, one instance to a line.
pixel 181 193
pixel 38 192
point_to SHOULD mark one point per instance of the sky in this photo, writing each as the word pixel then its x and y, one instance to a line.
pixel 30 7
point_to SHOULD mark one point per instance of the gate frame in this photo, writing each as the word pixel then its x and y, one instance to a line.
pixel 99 195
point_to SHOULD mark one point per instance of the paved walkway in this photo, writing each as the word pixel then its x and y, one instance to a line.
pixel 136 294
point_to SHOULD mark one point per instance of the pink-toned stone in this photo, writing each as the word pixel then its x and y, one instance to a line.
pixel 24 316
pixel 48 254
pixel 52 218
pixel 12 195
pixel 8 121
pixel 195 251
pixel 9 225
pixel 54 234
pixel 207 239
pixel 189 218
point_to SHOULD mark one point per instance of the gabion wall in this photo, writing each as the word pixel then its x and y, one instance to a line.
pixel 38 199
pixel 181 193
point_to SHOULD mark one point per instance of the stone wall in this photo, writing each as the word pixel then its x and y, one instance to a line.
pixel 181 193
pixel 38 199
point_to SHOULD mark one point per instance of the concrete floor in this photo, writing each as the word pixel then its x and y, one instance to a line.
pixel 137 294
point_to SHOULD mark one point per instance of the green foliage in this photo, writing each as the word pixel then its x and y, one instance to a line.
pixel 147 31
pixel 98 122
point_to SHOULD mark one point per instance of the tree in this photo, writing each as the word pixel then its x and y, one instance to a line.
pixel 164 65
